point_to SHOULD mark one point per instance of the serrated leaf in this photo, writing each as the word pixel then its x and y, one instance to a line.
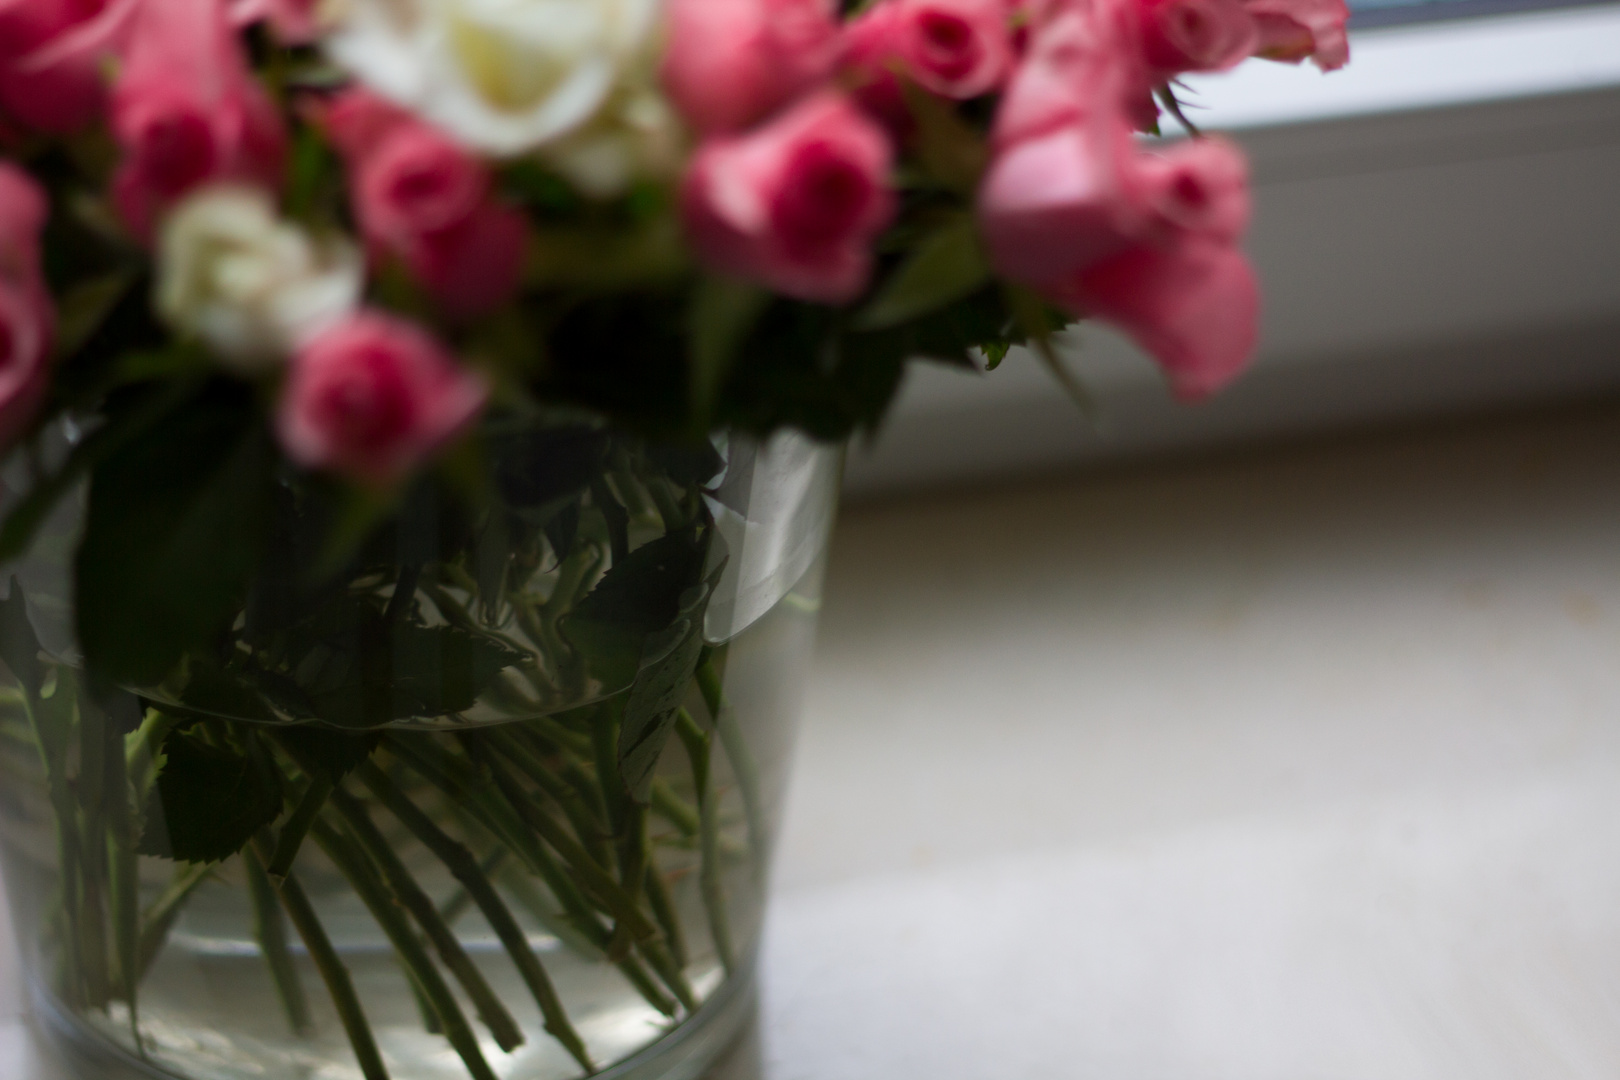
pixel 209 801
pixel 326 752
pixel 639 596
pixel 378 671
pixel 175 523
pixel 946 266
pixel 668 661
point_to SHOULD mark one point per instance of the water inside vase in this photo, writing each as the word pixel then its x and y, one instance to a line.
pixel 209 1007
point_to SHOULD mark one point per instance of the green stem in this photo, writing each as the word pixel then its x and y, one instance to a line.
pixel 159 918
pixel 448 775
pixel 422 908
pixel 351 861
pixel 339 985
pixel 474 879
pixel 672 808
pixel 271 933
pixel 597 881
pixel 460 785
pixel 94 750
pixel 125 878
pixel 742 762
pixel 663 908
pixel 589 828
pixel 454 908
pixel 698 750
pixel 50 717
pixel 297 827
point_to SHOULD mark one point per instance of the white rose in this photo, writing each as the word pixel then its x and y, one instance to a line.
pixel 251 286
pixel 503 76
pixel 635 136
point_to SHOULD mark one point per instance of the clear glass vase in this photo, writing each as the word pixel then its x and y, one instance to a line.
pixel 488 794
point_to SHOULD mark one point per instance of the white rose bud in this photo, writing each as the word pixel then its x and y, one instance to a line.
pixel 251 286
pixel 636 136
pixel 502 76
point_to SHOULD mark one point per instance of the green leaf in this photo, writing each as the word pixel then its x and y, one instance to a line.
pixel 541 465
pixel 30 513
pixel 639 596
pixel 947 265
pixel 175 523
pixel 668 661
pixel 723 311
pixel 994 353
pixel 19 645
pixel 379 670
pixel 83 308
pixel 209 800
pixel 323 751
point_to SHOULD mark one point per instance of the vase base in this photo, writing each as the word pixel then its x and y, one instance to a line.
pixel 686 1053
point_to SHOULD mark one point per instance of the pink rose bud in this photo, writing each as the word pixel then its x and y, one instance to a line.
pixel 957 49
pixel 730 63
pixel 1200 187
pixel 48 81
pixel 1077 67
pixel 416 181
pixel 25 308
pixel 424 199
pixel 1295 30
pixel 1193 35
pixel 372 398
pixel 476 265
pixel 1195 307
pixel 186 110
pixel 1054 204
pixel 794 204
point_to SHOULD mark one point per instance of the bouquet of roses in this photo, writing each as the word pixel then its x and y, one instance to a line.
pixel 393 365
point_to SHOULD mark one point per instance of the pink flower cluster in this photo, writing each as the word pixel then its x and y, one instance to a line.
pixel 372 396
pixel 424 200
pixel 802 117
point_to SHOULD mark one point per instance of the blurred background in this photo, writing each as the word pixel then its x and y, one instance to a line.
pixel 1276 738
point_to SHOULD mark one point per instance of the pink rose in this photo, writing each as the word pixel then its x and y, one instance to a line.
pixel 1056 203
pixel 729 63
pixel 187 111
pixel 1194 306
pixel 372 398
pixel 957 49
pixel 26 317
pixel 1200 187
pixel 794 204
pixel 48 80
pixel 1295 30
pixel 416 181
pixel 1061 191
pixel 424 199
pixel 1077 67
pixel 1193 35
